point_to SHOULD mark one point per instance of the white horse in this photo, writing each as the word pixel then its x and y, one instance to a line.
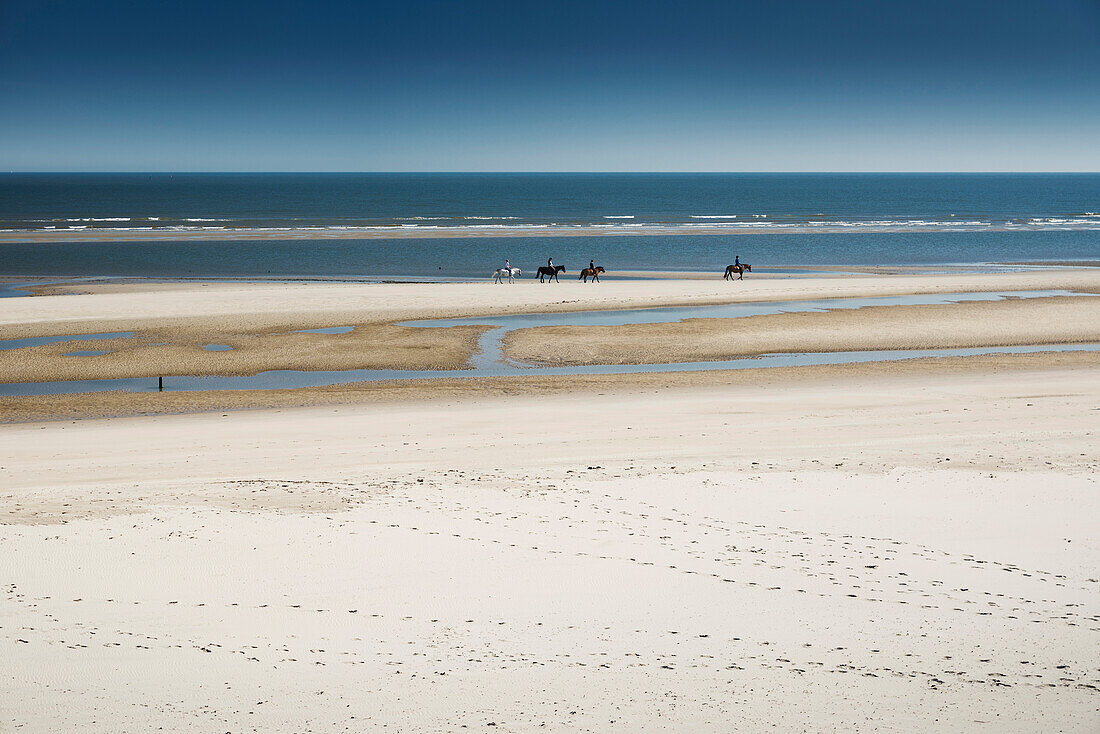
pixel 510 273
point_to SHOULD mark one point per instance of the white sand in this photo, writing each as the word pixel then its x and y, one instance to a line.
pixel 909 553
pixel 254 305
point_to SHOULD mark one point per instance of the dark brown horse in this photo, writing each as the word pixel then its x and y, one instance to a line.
pixel 593 273
pixel 550 273
pixel 739 269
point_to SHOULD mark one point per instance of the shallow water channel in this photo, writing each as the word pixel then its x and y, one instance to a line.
pixel 489 359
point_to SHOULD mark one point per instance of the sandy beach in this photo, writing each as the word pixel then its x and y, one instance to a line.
pixel 889 546
pixel 272 305
pixel 858 555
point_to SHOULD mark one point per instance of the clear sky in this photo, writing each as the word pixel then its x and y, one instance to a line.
pixel 556 85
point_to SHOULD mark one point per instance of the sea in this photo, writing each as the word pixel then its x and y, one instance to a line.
pixel 396 225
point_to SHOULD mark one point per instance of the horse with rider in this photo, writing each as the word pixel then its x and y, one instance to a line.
pixel 738 267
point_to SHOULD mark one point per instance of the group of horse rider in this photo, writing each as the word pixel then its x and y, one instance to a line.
pixel 549 264
pixel 738 267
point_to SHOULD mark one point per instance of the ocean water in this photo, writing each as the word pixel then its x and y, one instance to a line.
pixel 769 220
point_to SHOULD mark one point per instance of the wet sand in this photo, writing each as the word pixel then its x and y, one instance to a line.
pixel 260 323
pixel 180 351
pixel 395 232
pixel 1058 320
pixel 499 391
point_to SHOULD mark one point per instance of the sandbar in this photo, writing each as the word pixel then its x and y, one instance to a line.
pixel 1013 322
pixel 297 305
pixel 388 232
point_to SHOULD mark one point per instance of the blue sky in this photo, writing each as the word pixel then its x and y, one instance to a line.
pixel 550 86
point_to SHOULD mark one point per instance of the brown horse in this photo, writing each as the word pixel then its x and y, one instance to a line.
pixel 739 269
pixel 593 273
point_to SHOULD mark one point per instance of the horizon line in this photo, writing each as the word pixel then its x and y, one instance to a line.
pixel 565 173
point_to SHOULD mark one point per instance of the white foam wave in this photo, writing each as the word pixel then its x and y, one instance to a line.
pixel 444 219
pixel 713 216
pixel 618 216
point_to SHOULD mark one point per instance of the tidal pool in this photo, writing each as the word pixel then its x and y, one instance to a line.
pixel 489 360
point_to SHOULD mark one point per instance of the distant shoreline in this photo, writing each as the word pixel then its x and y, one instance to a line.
pixel 391 232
